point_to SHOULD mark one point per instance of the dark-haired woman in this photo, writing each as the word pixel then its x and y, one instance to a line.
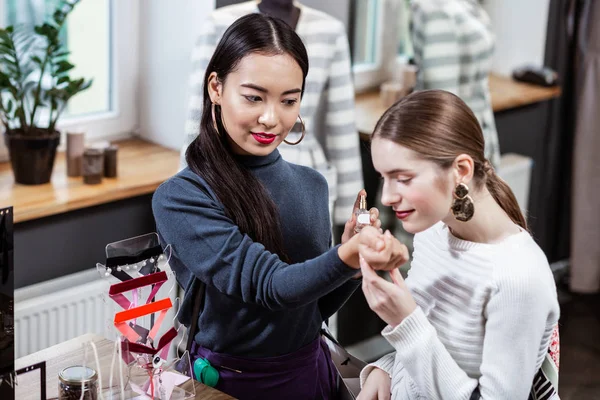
pixel 477 315
pixel 255 229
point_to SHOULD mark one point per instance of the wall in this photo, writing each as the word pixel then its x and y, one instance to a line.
pixel 75 241
pixel 168 31
pixel 520 28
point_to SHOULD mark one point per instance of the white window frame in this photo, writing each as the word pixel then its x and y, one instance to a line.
pixel 122 120
pixel 369 76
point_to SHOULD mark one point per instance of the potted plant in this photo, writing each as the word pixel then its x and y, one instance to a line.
pixel 34 76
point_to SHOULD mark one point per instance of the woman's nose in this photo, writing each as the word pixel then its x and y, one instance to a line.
pixel 389 196
pixel 268 117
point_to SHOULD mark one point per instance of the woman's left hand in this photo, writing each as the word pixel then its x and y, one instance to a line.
pixel 351 223
pixel 391 301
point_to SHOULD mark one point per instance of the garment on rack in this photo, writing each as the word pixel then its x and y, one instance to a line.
pixel 585 224
pixel 453 47
pixel 331 145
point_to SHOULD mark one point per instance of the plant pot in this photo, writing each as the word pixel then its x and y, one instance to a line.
pixel 32 156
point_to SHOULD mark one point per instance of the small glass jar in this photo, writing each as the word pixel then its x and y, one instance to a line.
pixel 75 380
pixel 93 166
pixel 110 161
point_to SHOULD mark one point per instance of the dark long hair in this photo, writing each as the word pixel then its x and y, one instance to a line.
pixel 439 126
pixel 246 200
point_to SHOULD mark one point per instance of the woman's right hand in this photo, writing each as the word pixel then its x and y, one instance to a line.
pixel 377 386
pixel 380 251
pixel 392 254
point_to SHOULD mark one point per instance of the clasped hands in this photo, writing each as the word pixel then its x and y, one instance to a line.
pixel 380 251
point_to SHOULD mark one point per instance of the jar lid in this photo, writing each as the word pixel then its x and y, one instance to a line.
pixel 77 374
pixel 90 151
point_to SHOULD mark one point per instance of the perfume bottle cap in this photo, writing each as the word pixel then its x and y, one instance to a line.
pixel 363 202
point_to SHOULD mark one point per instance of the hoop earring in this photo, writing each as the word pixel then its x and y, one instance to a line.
pixel 463 207
pixel 301 137
pixel 214 117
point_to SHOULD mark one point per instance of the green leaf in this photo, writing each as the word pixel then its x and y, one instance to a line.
pixel 64 66
pixel 60 53
pixel 37 60
pixel 9 106
pixel 20 112
pixel 86 85
pixel 63 79
pixel 59 17
pixel 28 86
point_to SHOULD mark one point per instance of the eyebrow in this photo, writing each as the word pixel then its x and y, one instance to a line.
pixel 262 89
pixel 398 171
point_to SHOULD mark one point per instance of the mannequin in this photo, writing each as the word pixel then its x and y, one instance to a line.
pixel 453 47
pixel 282 9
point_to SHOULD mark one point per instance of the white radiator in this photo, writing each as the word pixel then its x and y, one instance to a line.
pixel 51 312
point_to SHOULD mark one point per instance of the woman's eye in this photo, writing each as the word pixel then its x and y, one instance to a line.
pixel 405 180
pixel 290 102
pixel 253 99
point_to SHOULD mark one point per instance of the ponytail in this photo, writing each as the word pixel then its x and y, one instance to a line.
pixel 504 196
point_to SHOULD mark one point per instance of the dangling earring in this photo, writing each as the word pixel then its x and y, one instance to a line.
pixel 462 206
pixel 301 137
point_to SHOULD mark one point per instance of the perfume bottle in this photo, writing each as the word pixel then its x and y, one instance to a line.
pixel 363 217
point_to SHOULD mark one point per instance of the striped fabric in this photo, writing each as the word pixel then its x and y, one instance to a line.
pixel 485 321
pixel 331 145
pixel 545 383
pixel 453 47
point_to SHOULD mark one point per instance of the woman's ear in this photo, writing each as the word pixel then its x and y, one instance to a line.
pixel 464 168
pixel 215 88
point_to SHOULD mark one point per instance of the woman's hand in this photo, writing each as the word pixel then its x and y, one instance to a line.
pixel 377 386
pixel 391 301
pixel 381 251
pixel 351 223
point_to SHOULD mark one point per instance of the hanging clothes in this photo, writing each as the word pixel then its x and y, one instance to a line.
pixel 453 47
pixel 331 144
pixel 585 223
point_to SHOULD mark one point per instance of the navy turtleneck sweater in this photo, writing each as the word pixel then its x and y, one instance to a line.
pixel 256 305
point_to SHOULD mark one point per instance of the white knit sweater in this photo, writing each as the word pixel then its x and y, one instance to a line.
pixel 484 319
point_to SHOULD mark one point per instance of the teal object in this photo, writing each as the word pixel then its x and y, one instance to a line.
pixel 205 373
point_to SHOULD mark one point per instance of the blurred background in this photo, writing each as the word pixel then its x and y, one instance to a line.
pixel 528 69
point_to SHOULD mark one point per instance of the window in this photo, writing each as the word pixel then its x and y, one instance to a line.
pixel 381 40
pixel 86 35
pixel 364 49
pixel 405 49
pixel 102 37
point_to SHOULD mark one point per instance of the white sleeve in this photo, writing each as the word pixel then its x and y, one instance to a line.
pixel 385 363
pixel 517 317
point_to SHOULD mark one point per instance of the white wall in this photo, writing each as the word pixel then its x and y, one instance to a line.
pixel 168 31
pixel 520 28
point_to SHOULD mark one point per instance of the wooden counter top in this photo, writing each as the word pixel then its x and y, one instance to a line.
pixel 505 92
pixel 142 166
